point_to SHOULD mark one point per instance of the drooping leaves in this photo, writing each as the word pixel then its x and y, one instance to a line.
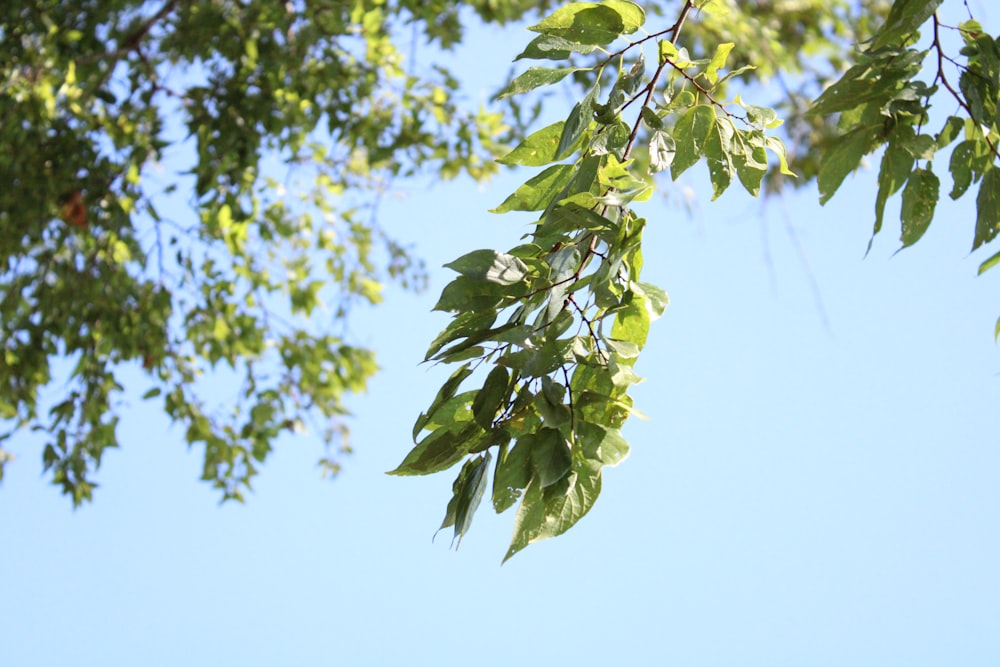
pixel 560 320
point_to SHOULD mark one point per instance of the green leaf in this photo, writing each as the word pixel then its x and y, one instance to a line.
pixel 632 322
pixel 491 397
pixel 761 117
pixel 473 338
pixel 564 264
pixel 550 455
pixel 467 492
pixel 988 208
pixel 748 168
pixel 491 266
pixel 539 191
pixel 551 47
pixel 893 173
pixel 464 324
pixel 534 78
pixel 989 264
pixel 651 119
pixel 842 159
pixel 603 445
pixel 445 394
pixel 610 139
pixel 152 393
pixel 539 149
pixel 565 220
pixel 962 166
pixel 540 361
pixel 591 23
pixel 467 295
pixel 439 451
pixel 626 349
pixel 905 17
pixel 549 512
pixel 717 153
pixel 951 131
pixel 876 81
pixel 666 51
pixel 919 199
pixel 631 81
pixel 512 474
pixel 662 150
pixel 976 91
pixel 775 145
pixel 690 135
pixel 551 404
pixel 633 16
pixel 656 299
pixel 578 121
pixel 718 62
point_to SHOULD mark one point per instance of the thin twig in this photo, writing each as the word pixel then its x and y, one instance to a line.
pixel 940 76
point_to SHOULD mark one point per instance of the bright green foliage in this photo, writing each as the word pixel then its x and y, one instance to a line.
pixel 97 285
pixel 293 117
pixel 547 334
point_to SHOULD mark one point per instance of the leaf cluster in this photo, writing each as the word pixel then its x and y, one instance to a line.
pixel 882 103
pixel 288 121
pixel 547 334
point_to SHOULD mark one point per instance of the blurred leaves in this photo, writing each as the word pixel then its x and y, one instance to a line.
pixel 298 116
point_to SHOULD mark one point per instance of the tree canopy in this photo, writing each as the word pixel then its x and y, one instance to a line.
pixel 297 116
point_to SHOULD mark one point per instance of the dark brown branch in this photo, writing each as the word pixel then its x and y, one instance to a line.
pixel 133 41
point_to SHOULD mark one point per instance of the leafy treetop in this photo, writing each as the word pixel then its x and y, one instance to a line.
pixel 94 96
pixel 292 118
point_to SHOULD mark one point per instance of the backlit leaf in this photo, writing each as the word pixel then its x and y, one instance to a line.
pixel 491 266
pixel 537 150
pixel 690 136
pixel 549 512
pixel 661 151
pixel 539 190
pixel 905 17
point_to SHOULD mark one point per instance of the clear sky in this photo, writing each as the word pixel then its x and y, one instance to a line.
pixel 809 489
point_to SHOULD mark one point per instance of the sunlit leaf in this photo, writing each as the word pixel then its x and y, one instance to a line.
pixel 535 77
pixel 537 150
pixel 988 208
pixel 690 137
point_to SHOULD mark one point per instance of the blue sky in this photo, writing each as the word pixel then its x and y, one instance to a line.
pixel 807 491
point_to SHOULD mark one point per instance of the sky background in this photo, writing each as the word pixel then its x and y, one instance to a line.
pixel 817 483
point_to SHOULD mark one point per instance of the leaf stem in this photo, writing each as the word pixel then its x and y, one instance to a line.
pixel 940 76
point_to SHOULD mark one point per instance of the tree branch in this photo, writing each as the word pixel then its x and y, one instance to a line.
pixel 133 41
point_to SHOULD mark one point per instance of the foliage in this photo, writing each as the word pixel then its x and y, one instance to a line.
pixel 97 286
pixel 547 334
pixel 292 118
